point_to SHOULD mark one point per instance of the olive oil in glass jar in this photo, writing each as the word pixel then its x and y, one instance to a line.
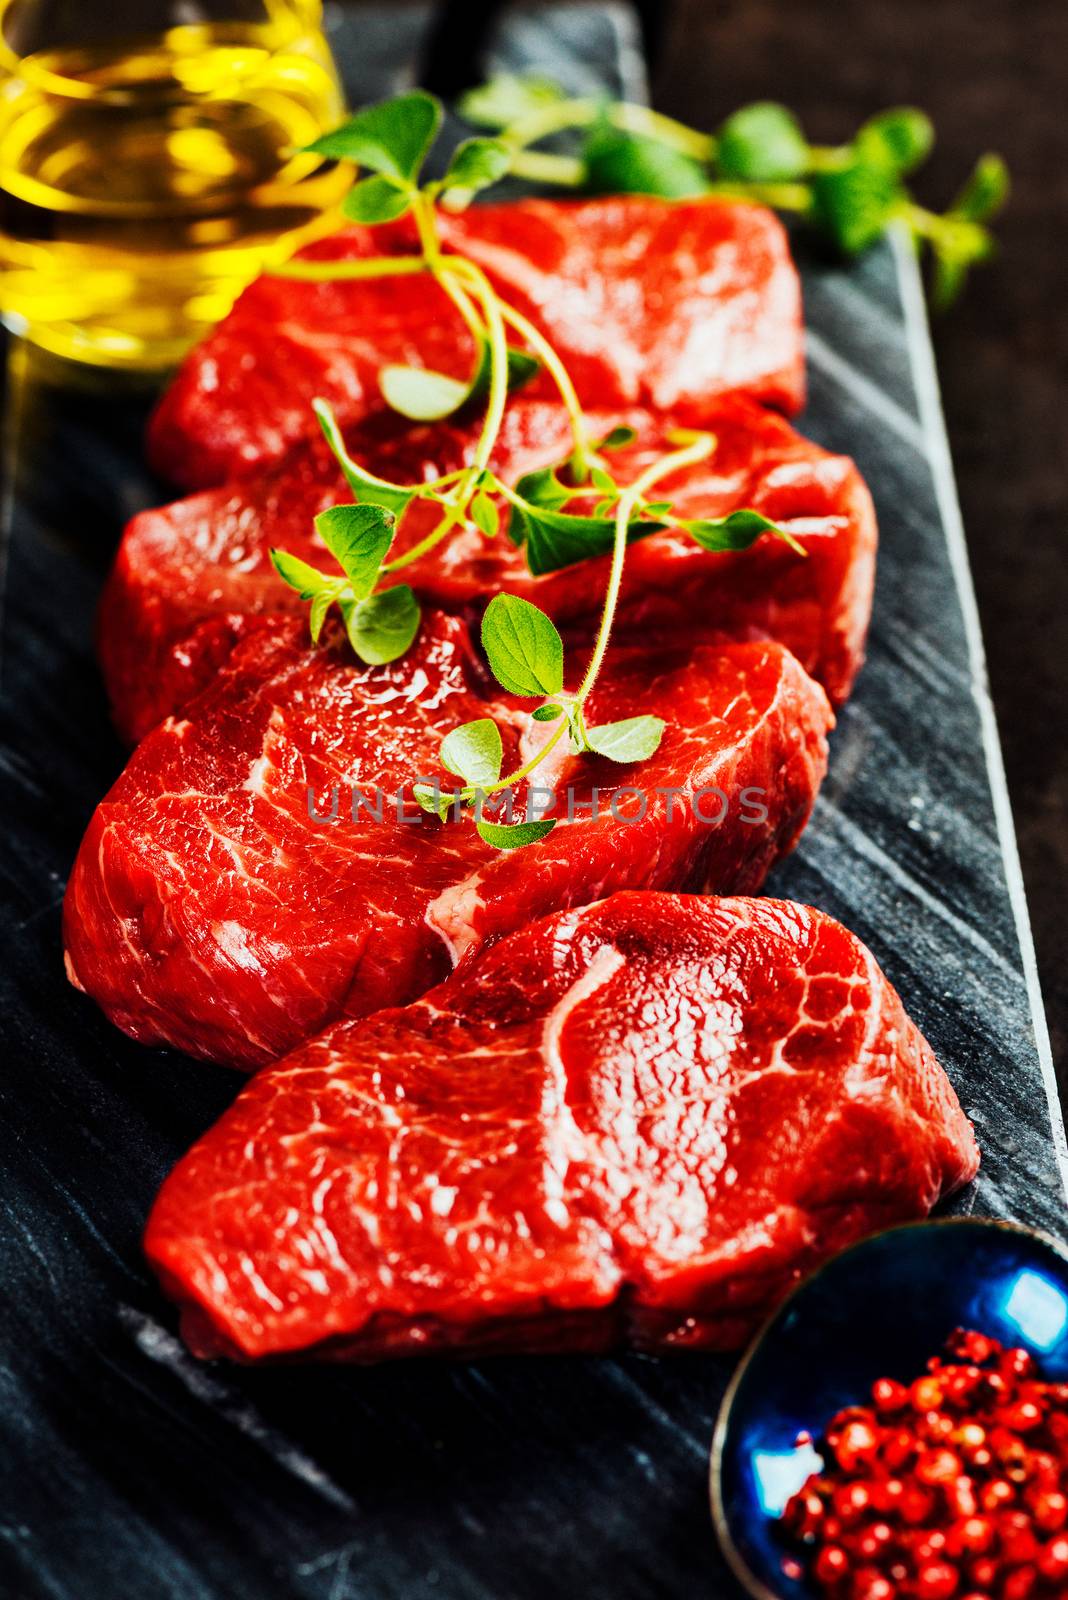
pixel 150 165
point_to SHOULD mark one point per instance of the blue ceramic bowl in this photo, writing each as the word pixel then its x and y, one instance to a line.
pixel 881 1307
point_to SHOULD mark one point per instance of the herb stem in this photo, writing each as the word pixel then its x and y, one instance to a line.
pixel 623 114
pixel 628 503
pixel 462 301
pixel 780 196
pixel 541 166
pixel 540 346
pixel 365 267
pixel 522 772
pixel 493 311
pixel 434 537
pixel 426 228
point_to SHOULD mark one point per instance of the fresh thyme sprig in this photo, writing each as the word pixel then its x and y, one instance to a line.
pixel 853 192
pixel 522 645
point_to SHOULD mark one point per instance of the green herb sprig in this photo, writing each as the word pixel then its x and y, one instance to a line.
pixel 522 644
pixel 852 192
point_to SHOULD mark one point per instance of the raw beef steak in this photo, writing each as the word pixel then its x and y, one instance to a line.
pixel 187 574
pixel 665 303
pixel 639 1122
pixel 209 910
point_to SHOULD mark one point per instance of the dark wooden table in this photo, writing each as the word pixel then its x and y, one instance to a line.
pixel 993 74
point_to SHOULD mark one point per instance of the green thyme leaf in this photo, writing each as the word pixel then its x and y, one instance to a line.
pixel 737 531
pixel 358 538
pixel 503 836
pixel 474 752
pixel 484 514
pixel 381 628
pixel 433 799
pixel 985 192
pixel 365 486
pixel 631 163
pixel 549 713
pixel 762 143
pixel 307 580
pixel 506 99
pixel 618 439
pixel 633 739
pixel 854 203
pixel 310 584
pixel 391 138
pixel 475 164
pixel 525 652
pixel 899 139
pixel 375 200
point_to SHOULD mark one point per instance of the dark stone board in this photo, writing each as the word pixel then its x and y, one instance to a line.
pixel 128 1471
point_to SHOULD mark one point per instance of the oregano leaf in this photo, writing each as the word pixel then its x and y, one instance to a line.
pixel 506 98
pixel 375 200
pixel 900 139
pixel 555 539
pixel 762 143
pixel 475 164
pixel 632 739
pixel 319 607
pixel 736 531
pixel 421 394
pixel 514 836
pixel 524 649
pixel 549 713
pixel 430 798
pixel 358 538
pixel 958 245
pixel 428 396
pixel 616 162
pixel 521 368
pixel 368 489
pixel 985 192
pixel 474 752
pixel 484 514
pixel 543 488
pixel 854 203
pixel 381 628
pixel 391 138
pixel 300 575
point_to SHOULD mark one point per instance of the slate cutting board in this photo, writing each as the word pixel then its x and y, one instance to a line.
pixel 129 1472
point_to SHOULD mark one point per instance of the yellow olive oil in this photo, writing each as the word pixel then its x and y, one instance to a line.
pixel 145 181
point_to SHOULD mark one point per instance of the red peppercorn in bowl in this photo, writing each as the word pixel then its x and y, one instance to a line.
pixel 899 1430
pixel 953 1485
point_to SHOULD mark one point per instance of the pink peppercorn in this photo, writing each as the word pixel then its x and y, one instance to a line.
pixel 952 1487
